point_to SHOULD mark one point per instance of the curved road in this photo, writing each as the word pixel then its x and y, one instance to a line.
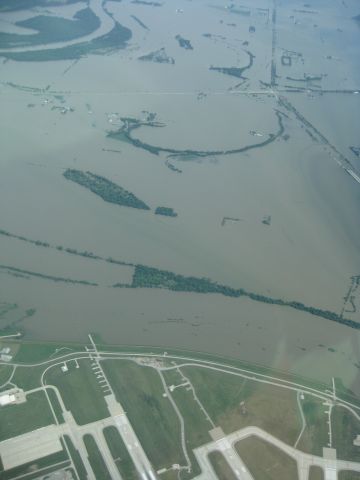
pixel 304 460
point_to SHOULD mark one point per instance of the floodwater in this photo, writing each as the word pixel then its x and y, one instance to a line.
pixel 308 253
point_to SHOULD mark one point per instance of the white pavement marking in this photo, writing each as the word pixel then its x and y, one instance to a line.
pixel 180 417
pixel 134 447
pixel 196 398
pixel 106 454
pixel 30 446
pixel 303 421
pixel 234 460
pixel 304 460
pixel 226 448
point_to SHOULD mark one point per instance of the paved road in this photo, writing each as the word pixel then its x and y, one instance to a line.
pixel 304 460
pixel 226 448
pixel 180 417
pixel 95 429
pixel 76 433
pixel 106 454
pixel 134 447
pixel 117 419
pixel 303 421
pixel 213 365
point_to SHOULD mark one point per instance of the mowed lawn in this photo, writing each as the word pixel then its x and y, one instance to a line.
pixel 265 461
pixel 96 459
pixel 345 428
pixel 120 454
pixel 5 372
pixel 28 378
pixel 80 391
pixel 316 473
pixel 316 433
pixel 234 403
pixel 348 475
pixel 140 392
pixel 221 466
pixel 25 417
pixel 196 424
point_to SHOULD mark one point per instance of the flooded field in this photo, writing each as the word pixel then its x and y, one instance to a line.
pixel 236 123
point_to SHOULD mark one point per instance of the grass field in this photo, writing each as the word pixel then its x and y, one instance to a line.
pixel 55 405
pixel 265 461
pixel 346 393
pixel 80 391
pixel 316 473
pixel 345 428
pixel 270 408
pixel 120 454
pixel 196 425
pixel 173 377
pixel 229 361
pixel 5 372
pixel 348 475
pixel 221 466
pixel 76 458
pixel 32 352
pixel 28 378
pixel 170 475
pixel 140 392
pixel 16 419
pixel 315 436
pixel 29 470
pixel 95 458
pixel 39 351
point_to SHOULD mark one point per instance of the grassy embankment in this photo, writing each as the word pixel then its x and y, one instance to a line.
pixel 236 71
pixel 130 124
